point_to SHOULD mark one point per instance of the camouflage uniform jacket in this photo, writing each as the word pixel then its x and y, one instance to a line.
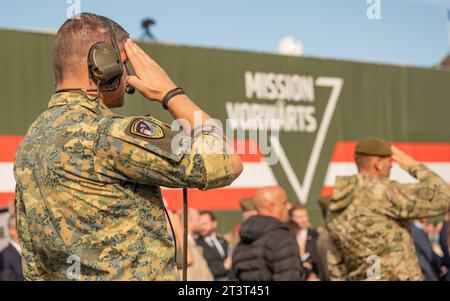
pixel 88 192
pixel 370 216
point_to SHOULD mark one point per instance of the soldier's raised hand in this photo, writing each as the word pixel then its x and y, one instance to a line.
pixel 150 79
pixel 404 160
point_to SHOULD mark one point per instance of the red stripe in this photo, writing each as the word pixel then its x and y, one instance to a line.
pixel 248 150
pixel 216 199
pixel 343 151
pixel 424 152
pixel 327 191
pixel 8 147
pixel 6 199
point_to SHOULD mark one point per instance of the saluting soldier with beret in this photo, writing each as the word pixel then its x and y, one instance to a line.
pixel 88 196
pixel 368 215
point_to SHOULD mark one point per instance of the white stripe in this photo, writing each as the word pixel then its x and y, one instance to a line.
pixel 397 173
pixel 255 175
pixel 7 182
pixel 338 169
pixel 260 175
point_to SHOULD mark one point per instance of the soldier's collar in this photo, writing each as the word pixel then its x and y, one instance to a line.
pixel 372 178
pixel 78 98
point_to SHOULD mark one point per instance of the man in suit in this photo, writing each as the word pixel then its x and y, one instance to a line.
pixel 198 269
pixel 10 256
pixel 306 239
pixel 429 261
pixel 215 248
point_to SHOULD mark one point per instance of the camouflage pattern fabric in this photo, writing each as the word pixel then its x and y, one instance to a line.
pixel 88 190
pixel 370 216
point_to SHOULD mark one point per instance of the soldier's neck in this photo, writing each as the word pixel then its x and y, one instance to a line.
pixel 75 84
pixel 372 173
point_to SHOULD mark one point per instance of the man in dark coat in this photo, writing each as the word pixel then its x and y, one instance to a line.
pixel 268 251
pixel 429 261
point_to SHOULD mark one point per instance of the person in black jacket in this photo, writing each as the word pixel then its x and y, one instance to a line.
pixel 268 251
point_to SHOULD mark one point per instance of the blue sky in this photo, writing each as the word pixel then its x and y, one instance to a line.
pixel 410 32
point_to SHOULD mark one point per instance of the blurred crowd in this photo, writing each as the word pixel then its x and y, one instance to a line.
pixel 299 250
pixel 275 241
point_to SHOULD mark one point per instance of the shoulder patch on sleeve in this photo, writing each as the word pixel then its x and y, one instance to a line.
pixel 144 132
pixel 145 128
pixel 425 193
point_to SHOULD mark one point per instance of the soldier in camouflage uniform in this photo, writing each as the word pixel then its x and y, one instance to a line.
pixel 368 217
pixel 88 196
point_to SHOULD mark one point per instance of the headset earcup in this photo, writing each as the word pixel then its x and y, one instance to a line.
pixel 104 65
pixel 92 67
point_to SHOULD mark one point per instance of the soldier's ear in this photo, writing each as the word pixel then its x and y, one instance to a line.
pixel 377 164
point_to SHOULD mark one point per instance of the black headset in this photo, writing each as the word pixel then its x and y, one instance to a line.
pixel 105 66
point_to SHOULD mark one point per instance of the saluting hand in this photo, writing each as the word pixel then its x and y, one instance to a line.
pixel 402 158
pixel 150 79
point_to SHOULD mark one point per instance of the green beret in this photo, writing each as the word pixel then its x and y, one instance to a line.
pixel 373 146
pixel 247 205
